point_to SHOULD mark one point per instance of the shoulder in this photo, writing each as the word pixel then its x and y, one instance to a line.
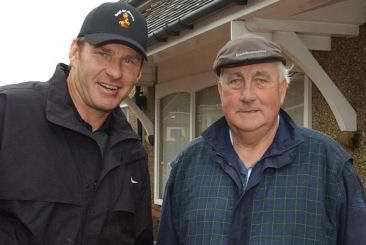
pixel 193 148
pixel 324 145
pixel 194 158
pixel 24 91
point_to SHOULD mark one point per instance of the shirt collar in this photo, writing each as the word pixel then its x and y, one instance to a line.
pixel 287 136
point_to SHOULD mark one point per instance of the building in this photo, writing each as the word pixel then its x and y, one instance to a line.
pixel 325 40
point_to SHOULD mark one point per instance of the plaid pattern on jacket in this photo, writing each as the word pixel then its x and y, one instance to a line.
pixel 302 191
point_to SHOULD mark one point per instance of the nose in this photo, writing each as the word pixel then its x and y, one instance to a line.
pixel 247 93
pixel 114 69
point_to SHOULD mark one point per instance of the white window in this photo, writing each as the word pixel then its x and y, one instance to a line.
pixel 297 100
pixel 174 133
pixel 208 108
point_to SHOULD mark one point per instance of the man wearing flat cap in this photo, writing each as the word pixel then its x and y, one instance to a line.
pixel 72 170
pixel 256 178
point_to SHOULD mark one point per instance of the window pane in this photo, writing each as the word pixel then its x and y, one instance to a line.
pixel 174 132
pixel 208 108
pixel 294 102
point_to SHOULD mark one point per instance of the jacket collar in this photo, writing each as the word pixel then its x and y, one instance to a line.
pixel 286 138
pixel 60 109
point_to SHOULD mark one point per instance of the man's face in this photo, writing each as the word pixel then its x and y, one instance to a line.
pixel 102 76
pixel 251 96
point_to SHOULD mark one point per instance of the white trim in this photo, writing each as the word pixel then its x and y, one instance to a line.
pixel 233 13
pixel 267 8
pixel 192 117
pixel 157 200
pixel 294 48
pixel 310 27
pixel 308 118
pixel 123 106
pixel 312 42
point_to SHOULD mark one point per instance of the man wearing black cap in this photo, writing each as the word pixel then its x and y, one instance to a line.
pixel 254 177
pixel 72 171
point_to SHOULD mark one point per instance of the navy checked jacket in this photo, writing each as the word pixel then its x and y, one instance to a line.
pixel 302 191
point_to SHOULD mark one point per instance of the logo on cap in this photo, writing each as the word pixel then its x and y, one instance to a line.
pixel 125 18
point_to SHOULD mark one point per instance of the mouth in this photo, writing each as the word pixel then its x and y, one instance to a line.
pixel 108 86
pixel 248 111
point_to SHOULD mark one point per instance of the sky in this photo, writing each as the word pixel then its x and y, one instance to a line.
pixel 36 35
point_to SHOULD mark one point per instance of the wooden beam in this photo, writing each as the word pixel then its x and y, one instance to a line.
pixel 312 42
pixel 294 48
pixel 145 121
pixel 309 27
pixel 287 8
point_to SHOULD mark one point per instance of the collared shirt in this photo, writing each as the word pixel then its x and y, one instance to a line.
pixel 240 166
pixel 89 170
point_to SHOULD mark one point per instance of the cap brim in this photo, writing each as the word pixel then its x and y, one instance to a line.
pixel 101 38
pixel 233 62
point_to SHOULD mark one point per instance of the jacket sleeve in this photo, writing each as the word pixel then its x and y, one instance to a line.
pixel 2 115
pixel 7 228
pixel 352 227
pixel 145 231
pixel 167 233
pixel 12 232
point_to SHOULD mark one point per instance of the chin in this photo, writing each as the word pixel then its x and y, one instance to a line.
pixel 251 126
pixel 107 107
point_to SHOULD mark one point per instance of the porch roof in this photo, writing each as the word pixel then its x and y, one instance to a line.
pixel 169 17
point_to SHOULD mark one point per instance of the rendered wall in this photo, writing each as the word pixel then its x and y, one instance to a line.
pixel 346 66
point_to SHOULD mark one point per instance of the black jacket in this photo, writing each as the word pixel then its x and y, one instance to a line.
pixel 44 198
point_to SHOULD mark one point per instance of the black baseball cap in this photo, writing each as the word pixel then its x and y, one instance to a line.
pixel 116 22
pixel 247 49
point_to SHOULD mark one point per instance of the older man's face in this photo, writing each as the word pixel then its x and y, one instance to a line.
pixel 251 96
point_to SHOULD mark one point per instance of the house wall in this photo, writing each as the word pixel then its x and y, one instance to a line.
pixel 346 66
pixel 192 57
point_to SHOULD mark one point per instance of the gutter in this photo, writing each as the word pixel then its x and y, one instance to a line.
pixel 136 3
pixel 186 22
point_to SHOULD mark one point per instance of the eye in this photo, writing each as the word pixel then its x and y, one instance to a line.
pixel 234 83
pixel 129 61
pixel 261 81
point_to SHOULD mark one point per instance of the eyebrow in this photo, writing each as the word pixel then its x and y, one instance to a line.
pixel 110 51
pixel 262 74
pixel 232 74
pixel 104 49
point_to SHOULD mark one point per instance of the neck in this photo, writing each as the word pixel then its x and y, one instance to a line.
pixel 93 117
pixel 250 146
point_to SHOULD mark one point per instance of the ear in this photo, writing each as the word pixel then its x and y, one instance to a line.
pixel 283 90
pixel 140 74
pixel 219 88
pixel 74 52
